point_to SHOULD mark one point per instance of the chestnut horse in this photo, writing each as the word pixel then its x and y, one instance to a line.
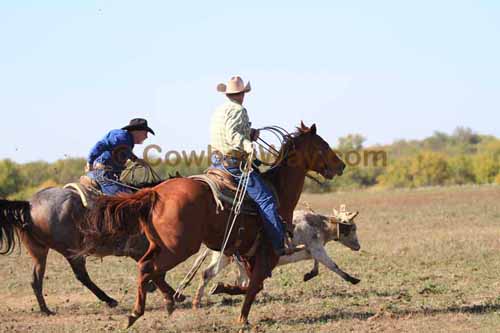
pixel 179 215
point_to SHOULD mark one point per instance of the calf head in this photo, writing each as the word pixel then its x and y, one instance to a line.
pixel 346 228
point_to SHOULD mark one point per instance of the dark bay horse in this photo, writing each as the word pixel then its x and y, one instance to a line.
pixel 50 221
pixel 179 215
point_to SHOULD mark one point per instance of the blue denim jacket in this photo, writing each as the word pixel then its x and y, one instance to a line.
pixel 113 151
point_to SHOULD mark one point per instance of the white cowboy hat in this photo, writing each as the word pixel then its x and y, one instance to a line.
pixel 235 85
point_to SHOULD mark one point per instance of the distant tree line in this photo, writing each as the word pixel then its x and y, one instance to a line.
pixel 463 157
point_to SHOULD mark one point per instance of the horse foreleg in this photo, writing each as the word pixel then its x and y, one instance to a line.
pixel 208 274
pixel 313 273
pixel 80 270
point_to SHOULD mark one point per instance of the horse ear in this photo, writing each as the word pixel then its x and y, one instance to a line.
pixel 302 126
pixel 313 129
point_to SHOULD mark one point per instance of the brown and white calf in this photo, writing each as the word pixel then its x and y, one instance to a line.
pixel 312 230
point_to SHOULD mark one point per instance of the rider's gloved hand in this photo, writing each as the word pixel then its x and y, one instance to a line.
pixel 140 161
pixel 254 134
pixel 256 162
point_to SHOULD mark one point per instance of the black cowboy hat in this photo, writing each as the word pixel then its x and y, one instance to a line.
pixel 138 124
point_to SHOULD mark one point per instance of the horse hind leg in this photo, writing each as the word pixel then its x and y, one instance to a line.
pixel 179 298
pixel 260 270
pixel 146 267
pixel 80 270
pixel 167 291
pixel 153 266
pixel 38 253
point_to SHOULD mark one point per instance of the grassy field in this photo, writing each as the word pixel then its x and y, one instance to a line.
pixel 430 262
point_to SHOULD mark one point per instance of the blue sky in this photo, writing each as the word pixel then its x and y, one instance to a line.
pixel 71 71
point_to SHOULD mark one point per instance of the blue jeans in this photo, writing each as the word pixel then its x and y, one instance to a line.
pixel 108 187
pixel 268 209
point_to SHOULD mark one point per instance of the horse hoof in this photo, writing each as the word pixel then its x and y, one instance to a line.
pixel 132 319
pixel 47 312
pixel 216 289
pixel 170 307
pixel 150 287
pixel 354 280
pixel 112 303
pixel 180 298
pixel 308 277
pixel 243 322
pixel 196 305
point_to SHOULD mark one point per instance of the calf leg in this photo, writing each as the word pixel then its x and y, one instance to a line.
pixel 242 279
pixel 223 288
pixel 78 267
pixel 209 273
pixel 313 273
pixel 318 253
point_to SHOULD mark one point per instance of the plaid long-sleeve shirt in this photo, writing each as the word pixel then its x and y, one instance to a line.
pixel 230 129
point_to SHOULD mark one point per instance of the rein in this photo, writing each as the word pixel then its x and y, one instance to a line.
pixel 282 135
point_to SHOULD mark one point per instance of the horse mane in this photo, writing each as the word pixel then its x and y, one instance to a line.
pixel 115 216
pixel 288 143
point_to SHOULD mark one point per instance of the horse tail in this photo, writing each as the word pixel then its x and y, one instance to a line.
pixel 113 217
pixel 13 214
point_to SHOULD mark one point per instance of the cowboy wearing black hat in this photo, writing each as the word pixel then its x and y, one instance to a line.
pixel 109 155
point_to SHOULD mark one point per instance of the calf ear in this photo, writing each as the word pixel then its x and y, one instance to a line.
pixel 353 215
pixel 335 212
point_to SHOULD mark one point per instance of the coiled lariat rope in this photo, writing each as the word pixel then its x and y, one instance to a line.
pixel 239 197
pixel 282 136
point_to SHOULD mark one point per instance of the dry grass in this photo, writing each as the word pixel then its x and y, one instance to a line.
pixel 430 261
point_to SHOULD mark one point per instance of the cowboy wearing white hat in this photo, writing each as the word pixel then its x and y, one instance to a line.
pixel 232 137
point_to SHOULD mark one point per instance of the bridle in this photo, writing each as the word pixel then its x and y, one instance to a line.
pixel 283 137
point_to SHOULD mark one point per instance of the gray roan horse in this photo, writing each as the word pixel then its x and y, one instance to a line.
pixel 50 221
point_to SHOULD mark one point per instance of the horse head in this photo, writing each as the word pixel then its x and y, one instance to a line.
pixel 314 153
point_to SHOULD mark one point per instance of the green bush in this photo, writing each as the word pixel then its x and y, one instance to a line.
pixel 463 157
pixel 486 167
pixel 429 168
pixel 461 170
pixel 10 178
